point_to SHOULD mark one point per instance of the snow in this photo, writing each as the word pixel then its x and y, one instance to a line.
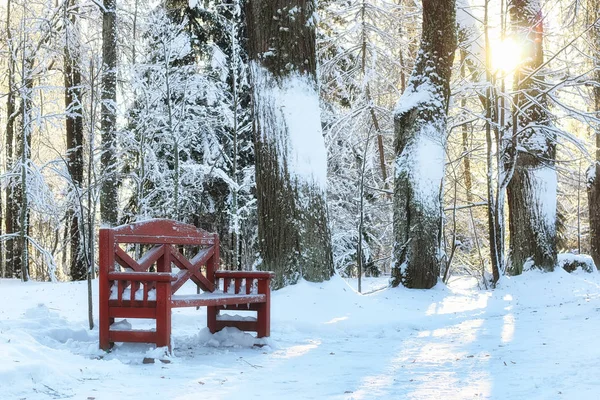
pixel 582 261
pixel 423 161
pixel 591 174
pixel 544 182
pixel 425 93
pixel 289 109
pixel 531 338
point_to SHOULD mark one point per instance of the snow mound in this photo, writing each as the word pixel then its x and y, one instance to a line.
pixel 231 338
pixel 572 262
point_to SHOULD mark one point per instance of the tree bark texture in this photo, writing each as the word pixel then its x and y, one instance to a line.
pixel 593 181
pixel 74 132
pixel 294 237
pixel 23 155
pixel 532 190
pixel 10 207
pixel 420 141
pixel 108 193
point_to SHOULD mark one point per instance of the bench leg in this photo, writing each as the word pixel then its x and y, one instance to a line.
pixel 163 316
pixel 263 318
pixel 104 333
pixel 211 318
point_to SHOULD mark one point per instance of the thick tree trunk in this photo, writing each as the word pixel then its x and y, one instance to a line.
pixel 74 131
pixel 594 170
pixel 420 141
pixel 108 193
pixel 294 238
pixel 532 190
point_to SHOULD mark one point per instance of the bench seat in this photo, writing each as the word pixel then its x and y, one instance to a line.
pixel 215 299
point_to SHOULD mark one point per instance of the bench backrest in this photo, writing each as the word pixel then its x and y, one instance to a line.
pixel 167 236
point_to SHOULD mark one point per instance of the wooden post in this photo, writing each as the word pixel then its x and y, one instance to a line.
pixel 107 263
pixel 264 310
pixel 211 318
pixel 163 302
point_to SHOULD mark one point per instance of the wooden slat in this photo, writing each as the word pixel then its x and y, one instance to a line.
pixel 251 326
pixel 132 312
pixel 175 240
pixel 133 336
pixel 181 278
pixel 240 307
pixel 125 260
pixel 161 227
pixel 141 276
pixel 203 255
pixel 151 256
pixel 244 274
pixel 133 304
pixel 200 280
pixel 200 300
pixel 120 289
pixel 133 289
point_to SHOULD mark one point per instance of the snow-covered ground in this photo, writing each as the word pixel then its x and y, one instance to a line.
pixel 535 337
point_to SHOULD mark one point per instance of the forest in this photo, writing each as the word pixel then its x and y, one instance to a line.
pixel 413 139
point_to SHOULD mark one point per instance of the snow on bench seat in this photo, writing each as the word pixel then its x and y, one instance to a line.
pixel 215 299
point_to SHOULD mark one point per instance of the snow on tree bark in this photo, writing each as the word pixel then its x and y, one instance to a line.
pixel 532 191
pixel 291 162
pixel 420 141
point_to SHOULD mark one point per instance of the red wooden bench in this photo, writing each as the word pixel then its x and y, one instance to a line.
pixel 129 289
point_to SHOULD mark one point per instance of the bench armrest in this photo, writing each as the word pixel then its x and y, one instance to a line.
pixel 141 276
pixel 245 274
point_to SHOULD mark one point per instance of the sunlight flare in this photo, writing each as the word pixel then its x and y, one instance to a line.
pixel 506 55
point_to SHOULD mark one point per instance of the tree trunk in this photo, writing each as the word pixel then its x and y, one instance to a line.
pixel 108 194
pixel 294 237
pixel 494 225
pixel 532 190
pixel 420 141
pixel 594 170
pixel 23 153
pixel 9 270
pixel 74 131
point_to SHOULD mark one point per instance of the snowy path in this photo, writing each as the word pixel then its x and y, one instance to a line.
pixel 533 338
